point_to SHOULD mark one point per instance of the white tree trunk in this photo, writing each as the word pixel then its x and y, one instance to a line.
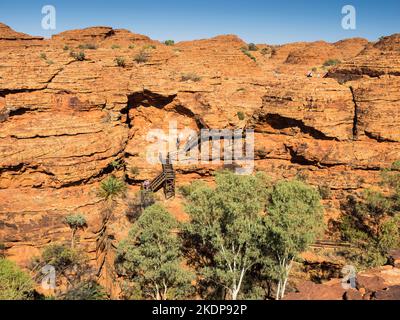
pixel 288 268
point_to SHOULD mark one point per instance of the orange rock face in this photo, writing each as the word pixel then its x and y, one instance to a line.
pixel 63 121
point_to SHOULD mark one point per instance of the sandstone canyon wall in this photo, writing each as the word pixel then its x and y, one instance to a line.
pixel 63 122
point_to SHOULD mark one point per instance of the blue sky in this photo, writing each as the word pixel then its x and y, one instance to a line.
pixel 259 21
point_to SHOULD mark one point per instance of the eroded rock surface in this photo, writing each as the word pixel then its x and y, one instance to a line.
pixel 63 122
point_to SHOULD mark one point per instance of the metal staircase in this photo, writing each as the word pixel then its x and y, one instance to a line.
pixel 165 180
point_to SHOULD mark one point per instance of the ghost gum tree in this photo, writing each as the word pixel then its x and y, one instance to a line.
pixel 226 220
pixel 151 258
pixel 293 220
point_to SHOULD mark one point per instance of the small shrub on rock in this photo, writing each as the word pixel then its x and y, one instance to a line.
pixel 141 57
pixel 120 62
pixel 190 77
pixel 78 56
pixel 252 47
pixel 331 62
pixel 169 42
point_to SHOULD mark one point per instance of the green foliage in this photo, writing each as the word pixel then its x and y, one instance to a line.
pixel 78 56
pixel 111 188
pixel 118 164
pixel 241 116
pixel 190 77
pixel 396 165
pixel 252 47
pixel 131 46
pixel 247 53
pixel 66 48
pixel 71 266
pixel 186 190
pixel 115 46
pixel 43 56
pixel 293 221
pixel 86 290
pixel 120 61
pixel 60 257
pixel 391 178
pixel 75 221
pixel 151 259
pixel 87 46
pixel 141 57
pixel 149 46
pixel 372 226
pixel 331 62
pixel 294 216
pixel 169 42
pixel 224 228
pixel 15 284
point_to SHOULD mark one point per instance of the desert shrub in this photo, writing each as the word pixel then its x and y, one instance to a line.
pixel 49 62
pixel 87 46
pixel 59 256
pixel 331 62
pixel 66 48
pixel 252 47
pixel 186 190
pixel 86 290
pixel 324 191
pixel 131 46
pixel 190 77
pixel 115 46
pixel 149 46
pixel 396 165
pixel 111 187
pixel 141 57
pixel 117 164
pixel 265 51
pixel 71 266
pixel 134 171
pixel 79 56
pixel 247 53
pixel 43 56
pixel 241 116
pixel 372 226
pixel 169 42
pixel 120 62
pixel 15 284
pixel 261 153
